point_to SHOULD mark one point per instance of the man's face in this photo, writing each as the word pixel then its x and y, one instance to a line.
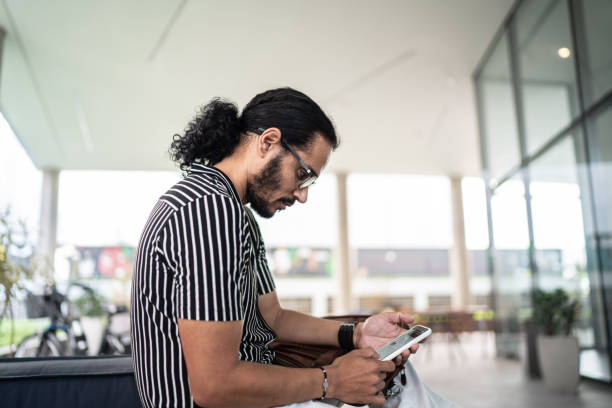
pixel 276 186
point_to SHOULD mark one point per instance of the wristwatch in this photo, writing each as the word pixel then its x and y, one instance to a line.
pixel 345 336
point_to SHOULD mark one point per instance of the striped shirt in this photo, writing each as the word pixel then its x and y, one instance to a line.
pixel 200 257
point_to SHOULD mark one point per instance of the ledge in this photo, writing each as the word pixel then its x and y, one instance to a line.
pixel 16 368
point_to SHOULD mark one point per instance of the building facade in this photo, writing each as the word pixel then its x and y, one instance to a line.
pixel 544 94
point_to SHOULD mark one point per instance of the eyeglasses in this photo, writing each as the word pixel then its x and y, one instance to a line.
pixel 311 175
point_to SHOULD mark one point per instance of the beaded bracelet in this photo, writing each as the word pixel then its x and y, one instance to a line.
pixel 325 383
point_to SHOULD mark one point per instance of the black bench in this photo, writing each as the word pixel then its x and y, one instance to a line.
pixel 99 382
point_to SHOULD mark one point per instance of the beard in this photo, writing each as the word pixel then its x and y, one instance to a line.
pixel 265 183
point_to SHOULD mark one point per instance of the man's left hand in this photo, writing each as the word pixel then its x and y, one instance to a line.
pixel 380 329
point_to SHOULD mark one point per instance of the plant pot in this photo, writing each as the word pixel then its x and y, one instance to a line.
pixel 558 357
pixel 94 329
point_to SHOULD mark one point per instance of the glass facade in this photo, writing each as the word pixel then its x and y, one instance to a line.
pixel 599 129
pixel 593 17
pixel 498 115
pixel 511 263
pixel 552 207
pixel 546 74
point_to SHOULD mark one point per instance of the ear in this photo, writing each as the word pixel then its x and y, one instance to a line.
pixel 268 141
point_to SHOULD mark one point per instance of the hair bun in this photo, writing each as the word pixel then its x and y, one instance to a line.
pixel 212 135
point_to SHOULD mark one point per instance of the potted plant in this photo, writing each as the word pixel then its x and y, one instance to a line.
pixel 14 270
pixel 556 312
pixel 89 304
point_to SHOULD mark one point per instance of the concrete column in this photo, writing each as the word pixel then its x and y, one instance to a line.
pixel 460 272
pixel 47 233
pixel 319 304
pixel 344 302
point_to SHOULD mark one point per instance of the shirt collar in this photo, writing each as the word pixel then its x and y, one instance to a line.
pixel 198 168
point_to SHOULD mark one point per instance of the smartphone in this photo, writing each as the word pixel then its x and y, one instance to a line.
pixel 393 348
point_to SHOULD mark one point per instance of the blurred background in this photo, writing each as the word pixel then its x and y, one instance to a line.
pixel 474 171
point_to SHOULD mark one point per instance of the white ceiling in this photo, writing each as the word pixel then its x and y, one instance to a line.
pixel 105 84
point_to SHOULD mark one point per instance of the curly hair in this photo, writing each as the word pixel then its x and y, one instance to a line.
pixel 217 128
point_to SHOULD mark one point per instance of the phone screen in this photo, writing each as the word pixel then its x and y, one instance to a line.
pixel 401 341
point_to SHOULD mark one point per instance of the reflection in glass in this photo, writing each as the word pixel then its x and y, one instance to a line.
pixel 512 272
pixel 556 195
pixel 546 64
pixel 498 114
pixel 600 145
pixel 597 61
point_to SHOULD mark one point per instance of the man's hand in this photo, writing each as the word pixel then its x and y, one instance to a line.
pixel 380 329
pixel 358 377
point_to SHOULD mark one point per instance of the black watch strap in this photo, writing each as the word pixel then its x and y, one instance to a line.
pixel 345 336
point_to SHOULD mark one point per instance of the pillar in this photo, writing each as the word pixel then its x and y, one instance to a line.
pixel 344 302
pixel 460 273
pixel 47 233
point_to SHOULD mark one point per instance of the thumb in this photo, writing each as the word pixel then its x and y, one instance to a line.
pixel 367 352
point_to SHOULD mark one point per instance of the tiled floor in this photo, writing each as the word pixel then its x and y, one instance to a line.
pixel 479 380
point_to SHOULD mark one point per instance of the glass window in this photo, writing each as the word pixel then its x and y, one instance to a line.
pixel 561 252
pixel 477 238
pixel 546 65
pixel 597 61
pixel 498 114
pixel 511 260
pixel 600 145
pixel 598 362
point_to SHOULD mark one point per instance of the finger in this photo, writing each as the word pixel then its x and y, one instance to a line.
pixel 380 386
pixel 398 360
pixel 405 318
pixel 386 366
pixel 367 352
pixel 414 348
pixel 406 354
pixel 378 399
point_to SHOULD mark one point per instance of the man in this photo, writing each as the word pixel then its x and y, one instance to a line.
pixel 204 306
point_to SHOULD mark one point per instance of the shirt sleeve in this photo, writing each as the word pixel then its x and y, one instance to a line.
pixel 265 281
pixel 203 245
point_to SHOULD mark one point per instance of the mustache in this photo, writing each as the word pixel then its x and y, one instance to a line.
pixel 288 201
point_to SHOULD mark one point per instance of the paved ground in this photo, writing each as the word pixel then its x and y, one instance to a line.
pixel 478 380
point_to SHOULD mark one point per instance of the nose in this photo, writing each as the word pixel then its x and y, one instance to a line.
pixel 301 194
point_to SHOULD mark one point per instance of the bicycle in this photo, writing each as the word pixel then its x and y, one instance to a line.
pixel 114 343
pixel 64 336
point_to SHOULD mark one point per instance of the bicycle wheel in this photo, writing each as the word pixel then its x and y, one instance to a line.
pixel 111 345
pixel 39 345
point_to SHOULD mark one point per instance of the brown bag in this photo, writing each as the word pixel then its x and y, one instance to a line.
pixel 310 356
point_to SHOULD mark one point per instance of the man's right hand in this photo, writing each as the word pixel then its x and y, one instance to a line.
pixel 358 377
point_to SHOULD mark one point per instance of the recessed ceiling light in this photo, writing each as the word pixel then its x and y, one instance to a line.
pixel 564 52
